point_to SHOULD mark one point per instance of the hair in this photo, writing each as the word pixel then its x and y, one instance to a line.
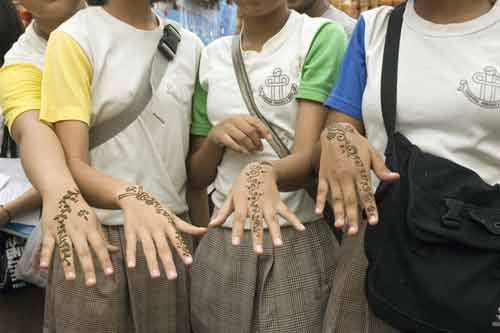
pixel 11 27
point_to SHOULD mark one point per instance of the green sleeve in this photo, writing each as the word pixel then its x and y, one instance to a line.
pixel 322 64
pixel 200 125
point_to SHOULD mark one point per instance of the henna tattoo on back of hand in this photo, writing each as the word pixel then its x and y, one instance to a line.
pixel 139 194
pixel 339 133
pixel 253 184
pixel 61 233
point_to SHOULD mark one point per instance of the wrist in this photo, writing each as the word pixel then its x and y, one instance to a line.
pixel 7 213
pixel 124 193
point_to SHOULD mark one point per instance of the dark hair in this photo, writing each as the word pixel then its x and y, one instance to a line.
pixel 10 27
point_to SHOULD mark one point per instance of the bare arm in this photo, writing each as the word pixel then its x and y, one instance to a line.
pixel 25 203
pixel 204 157
pixel 198 207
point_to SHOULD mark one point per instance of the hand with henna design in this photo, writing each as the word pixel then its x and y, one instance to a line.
pixel 147 221
pixel 69 223
pixel 255 196
pixel 346 161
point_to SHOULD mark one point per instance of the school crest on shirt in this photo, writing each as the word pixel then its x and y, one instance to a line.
pixel 277 89
pixel 485 90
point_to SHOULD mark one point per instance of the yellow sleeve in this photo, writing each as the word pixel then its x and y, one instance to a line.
pixel 19 91
pixel 66 83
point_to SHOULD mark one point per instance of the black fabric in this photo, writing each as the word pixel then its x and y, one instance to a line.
pixel 8 147
pixel 434 258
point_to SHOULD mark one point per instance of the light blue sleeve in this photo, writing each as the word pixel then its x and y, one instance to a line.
pixel 347 94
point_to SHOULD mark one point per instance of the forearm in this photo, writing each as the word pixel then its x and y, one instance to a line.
pixel 198 207
pixel 98 189
pixel 42 156
pixel 202 162
pixel 27 202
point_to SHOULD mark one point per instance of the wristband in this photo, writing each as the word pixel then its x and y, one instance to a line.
pixel 9 215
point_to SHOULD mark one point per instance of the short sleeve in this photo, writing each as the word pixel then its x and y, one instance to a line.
pixel 200 124
pixel 322 64
pixel 66 83
pixel 20 86
pixel 347 95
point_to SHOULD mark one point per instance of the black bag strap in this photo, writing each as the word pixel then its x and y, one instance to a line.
pixel 389 83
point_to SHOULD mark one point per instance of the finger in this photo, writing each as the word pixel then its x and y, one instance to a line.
pixel 131 248
pixel 258 232
pixel 48 244
pixel 188 228
pixel 149 250
pixel 260 127
pixel 178 242
pixel 274 227
pixel 222 215
pixel 351 205
pixel 337 203
pixel 380 169
pixel 231 144
pixel 241 138
pixel 251 132
pixel 165 256
pixel 240 217
pixel 84 256
pixel 100 248
pixel 111 248
pixel 366 197
pixel 287 214
pixel 65 247
pixel 321 195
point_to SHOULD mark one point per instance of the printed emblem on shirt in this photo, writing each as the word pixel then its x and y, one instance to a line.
pixel 485 90
pixel 278 90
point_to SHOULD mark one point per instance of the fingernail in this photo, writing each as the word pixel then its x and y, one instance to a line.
pixel 109 271
pixel 236 241
pixel 352 230
pixel 70 276
pixel 372 220
pixel 155 273
pixel 44 264
pixel 259 249
pixel 302 227
pixel 171 275
pixel 318 210
pixel 393 174
pixel 278 242
pixel 339 223
pixel 90 282
pixel 189 260
pixel 131 264
pixel 269 137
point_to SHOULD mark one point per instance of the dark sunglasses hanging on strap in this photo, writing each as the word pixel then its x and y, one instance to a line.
pixel 434 258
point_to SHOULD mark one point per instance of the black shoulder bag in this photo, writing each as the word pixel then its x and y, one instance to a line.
pixel 434 259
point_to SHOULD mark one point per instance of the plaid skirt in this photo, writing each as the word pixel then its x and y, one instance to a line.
pixel 284 290
pixel 348 310
pixel 129 301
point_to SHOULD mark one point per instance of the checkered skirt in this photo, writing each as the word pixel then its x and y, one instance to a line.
pixel 284 290
pixel 129 301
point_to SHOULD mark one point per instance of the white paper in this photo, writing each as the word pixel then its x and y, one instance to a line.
pixel 16 184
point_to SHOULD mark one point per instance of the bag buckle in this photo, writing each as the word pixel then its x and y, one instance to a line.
pixel 169 42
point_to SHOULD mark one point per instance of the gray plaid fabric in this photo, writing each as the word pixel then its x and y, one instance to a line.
pixel 285 290
pixel 348 310
pixel 130 301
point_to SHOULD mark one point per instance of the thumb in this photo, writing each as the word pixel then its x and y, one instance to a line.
pixel 380 169
pixel 223 213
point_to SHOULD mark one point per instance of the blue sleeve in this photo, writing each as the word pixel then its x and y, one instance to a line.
pixel 347 95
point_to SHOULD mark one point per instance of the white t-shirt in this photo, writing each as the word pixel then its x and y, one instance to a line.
pixel 153 149
pixel 29 49
pixel 275 74
pixel 341 18
pixel 448 86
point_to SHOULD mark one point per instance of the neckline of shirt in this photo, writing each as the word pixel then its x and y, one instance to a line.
pixel 275 42
pixel 125 25
pixel 417 23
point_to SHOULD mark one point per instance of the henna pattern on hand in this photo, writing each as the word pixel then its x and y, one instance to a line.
pixel 138 193
pixel 339 133
pixel 84 214
pixel 253 179
pixel 65 209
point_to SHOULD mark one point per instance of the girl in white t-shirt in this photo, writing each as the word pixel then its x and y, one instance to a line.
pixel 101 67
pixel 444 107
pixel 292 61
